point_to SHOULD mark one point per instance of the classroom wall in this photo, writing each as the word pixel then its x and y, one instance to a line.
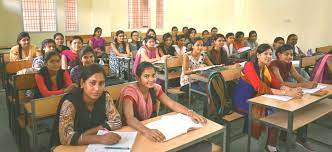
pixel 11 21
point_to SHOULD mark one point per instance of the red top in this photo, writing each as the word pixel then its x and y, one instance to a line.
pixel 55 90
pixel 238 45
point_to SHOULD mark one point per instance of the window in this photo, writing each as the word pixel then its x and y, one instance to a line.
pixel 39 15
pixel 71 16
pixel 139 14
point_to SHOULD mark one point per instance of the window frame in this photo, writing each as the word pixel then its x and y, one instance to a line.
pixel 77 20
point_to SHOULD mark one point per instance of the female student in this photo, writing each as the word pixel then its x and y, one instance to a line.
pixel 97 42
pixel 86 57
pixel 180 47
pixel 68 57
pixel 229 45
pixel 52 80
pixel 282 68
pixel 135 44
pixel 252 40
pixel 84 111
pixel 174 33
pixel 277 43
pixel 59 40
pixel 120 48
pixel 239 40
pixel 152 33
pixel 166 48
pixel 217 54
pixel 192 60
pixel 256 79
pixel 23 50
pixel 322 72
pixel 292 40
pixel 47 46
pixel 191 36
pixel 137 102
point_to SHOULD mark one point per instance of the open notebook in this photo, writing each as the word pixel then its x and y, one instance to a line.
pixel 207 67
pixel 124 145
pixel 174 125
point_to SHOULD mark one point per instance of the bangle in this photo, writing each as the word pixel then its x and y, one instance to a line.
pixel 189 110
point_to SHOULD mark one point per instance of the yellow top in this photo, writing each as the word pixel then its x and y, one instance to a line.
pixel 14 54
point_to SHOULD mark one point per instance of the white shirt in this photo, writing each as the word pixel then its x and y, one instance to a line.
pixel 229 49
pixel 180 51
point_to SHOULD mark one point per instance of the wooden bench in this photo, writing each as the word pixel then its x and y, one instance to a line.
pixel 324 49
pixel 309 62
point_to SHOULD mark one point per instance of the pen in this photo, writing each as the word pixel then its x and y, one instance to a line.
pixel 122 148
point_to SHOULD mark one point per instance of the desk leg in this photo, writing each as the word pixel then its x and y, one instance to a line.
pixel 289 130
pixel 227 140
pixel 249 126
pixel 189 94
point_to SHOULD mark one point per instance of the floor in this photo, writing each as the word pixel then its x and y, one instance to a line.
pixel 320 131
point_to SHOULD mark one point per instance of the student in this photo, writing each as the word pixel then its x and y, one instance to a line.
pixel 239 40
pixel 292 40
pixel 84 111
pixel 97 42
pixel 47 46
pixel 185 30
pixel 278 42
pixel 217 54
pixel 23 50
pixel 322 71
pixel 137 102
pixel 86 57
pixel 68 57
pixel 192 34
pixel 192 60
pixel 52 80
pixel 205 35
pixel 152 33
pixel 252 40
pixel 174 33
pixel 180 47
pixel 59 40
pixel 119 48
pixel 214 32
pixel 282 68
pixel 135 44
pixel 229 45
pixel 166 48
pixel 256 79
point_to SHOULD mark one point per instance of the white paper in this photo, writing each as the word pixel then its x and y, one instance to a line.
pixel 242 63
pixel 296 63
pixel 206 68
pixel 174 125
pixel 309 91
pixel 127 141
pixel 278 97
pixel 243 49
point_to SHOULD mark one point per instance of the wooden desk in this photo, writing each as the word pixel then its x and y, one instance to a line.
pixel 142 144
pixel 292 114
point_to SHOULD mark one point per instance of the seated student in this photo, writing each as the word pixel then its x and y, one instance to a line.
pixel 174 33
pixel 137 102
pixel 47 46
pixel 52 80
pixel 192 34
pixel 97 42
pixel 68 57
pixel 192 60
pixel 119 48
pixel 135 44
pixel 59 40
pixel 229 45
pixel 256 79
pixel 23 50
pixel 239 40
pixel 252 40
pixel 278 42
pixel 292 40
pixel 282 68
pixel 166 48
pixel 180 48
pixel 217 54
pixel 84 111
pixel 214 32
pixel 205 35
pixel 86 57
pixel 185 30
pixel 152 33
pixel 322 72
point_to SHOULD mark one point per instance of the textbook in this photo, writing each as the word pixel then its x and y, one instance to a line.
pixel 174 125
pixel 207 68
pixel 124 145
pixel 309 91
pixel 278 97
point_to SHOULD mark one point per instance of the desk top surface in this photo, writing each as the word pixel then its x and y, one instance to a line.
pixel 293 104
pixel 144 144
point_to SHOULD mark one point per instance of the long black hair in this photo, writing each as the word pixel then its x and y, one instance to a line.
pixel 90 70
pixel 141 67
pixel 44 43
pixel 46 75
pixel 85 50
pixel 19 38
pixel 116 43
pixel 96 29
pixel 260 49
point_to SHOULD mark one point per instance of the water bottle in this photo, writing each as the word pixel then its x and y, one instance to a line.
pixel 309 52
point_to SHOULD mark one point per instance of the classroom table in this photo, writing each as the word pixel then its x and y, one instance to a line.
pixel 143 144
pixel 292 114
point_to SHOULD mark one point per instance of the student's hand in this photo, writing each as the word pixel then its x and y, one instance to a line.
pixel 69 88
pixel 110 138
pixel 154 135
pixel 309 84
pixel 295 92
pixel 198 118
